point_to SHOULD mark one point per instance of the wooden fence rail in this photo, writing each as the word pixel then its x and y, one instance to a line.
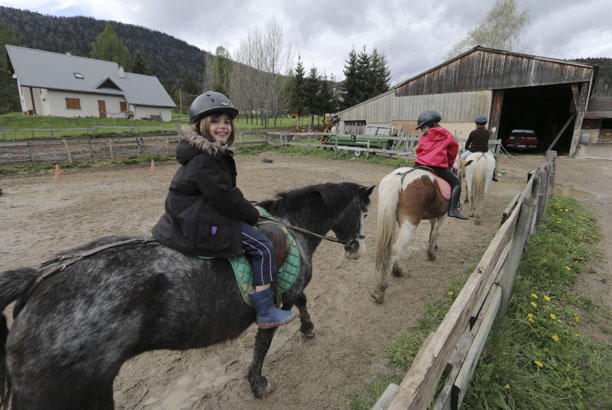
pixel 52 132
pixel 454 348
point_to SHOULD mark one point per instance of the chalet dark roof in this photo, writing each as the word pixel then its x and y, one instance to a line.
pixel 44 69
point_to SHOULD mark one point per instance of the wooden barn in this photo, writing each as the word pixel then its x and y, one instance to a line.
pixel 515 91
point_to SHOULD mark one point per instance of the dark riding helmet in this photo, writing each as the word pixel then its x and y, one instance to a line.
pixel 481 119
pixel 211 102
pixel 427 117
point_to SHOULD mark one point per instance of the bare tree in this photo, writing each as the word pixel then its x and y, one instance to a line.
pixel 265 61
pixel 502 28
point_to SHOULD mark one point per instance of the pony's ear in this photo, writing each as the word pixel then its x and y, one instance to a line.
pixel 469 162
pixel 370 189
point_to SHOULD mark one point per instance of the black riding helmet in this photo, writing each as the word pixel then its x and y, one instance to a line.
pixel 427 117
pixel 211 102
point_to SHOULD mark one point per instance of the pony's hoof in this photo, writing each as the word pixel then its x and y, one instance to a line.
pixel 309 335
pixel 397 272
pixel 260 387
pixel 378 296
pixel 431 257
pixel 477 221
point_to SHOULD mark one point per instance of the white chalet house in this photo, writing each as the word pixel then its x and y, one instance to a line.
pixel 70 86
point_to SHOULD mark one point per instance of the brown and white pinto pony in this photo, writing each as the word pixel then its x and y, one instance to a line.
pixel 479 168
pixel 405 197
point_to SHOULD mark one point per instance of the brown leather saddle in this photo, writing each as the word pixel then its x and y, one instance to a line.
pixel 279 240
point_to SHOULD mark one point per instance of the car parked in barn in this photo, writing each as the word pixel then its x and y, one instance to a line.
pixel 522 140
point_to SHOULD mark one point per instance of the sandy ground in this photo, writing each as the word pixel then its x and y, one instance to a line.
pixel 40 216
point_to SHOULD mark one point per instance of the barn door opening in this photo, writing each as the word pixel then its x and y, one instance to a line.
pixel 102 108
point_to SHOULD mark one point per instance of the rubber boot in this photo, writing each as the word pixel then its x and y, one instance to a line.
pixel 453 211
pixel 268 315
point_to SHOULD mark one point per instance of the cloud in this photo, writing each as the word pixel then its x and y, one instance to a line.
pixel 414 36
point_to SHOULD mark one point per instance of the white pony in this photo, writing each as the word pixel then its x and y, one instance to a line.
pixel 479 168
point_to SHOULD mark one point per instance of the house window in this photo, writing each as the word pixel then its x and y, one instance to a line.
pixel 79 76
pixel 73 103
pixel 122 106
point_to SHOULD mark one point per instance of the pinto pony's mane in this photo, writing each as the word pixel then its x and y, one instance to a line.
pixel 329 196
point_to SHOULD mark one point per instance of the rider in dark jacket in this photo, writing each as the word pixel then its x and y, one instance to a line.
pixel 206 214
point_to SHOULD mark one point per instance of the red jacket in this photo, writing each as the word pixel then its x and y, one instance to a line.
pixel 437 149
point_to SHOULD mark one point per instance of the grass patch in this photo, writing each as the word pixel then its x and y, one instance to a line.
pixel 50 125
pixel 538 356
pixel 255 149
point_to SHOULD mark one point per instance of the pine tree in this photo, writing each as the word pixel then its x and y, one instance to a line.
pixel 365 78
pixel 108 46
pixel 350 86
pixel 297 94
pixel 327 100
pixel 222 68
pixel 9 95
pixel 312 93
pixel 140 64
pixel 381 73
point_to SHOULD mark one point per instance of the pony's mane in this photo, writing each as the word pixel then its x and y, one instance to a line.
pixel 328 195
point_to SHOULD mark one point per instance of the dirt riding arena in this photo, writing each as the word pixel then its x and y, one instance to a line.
pixel 40 216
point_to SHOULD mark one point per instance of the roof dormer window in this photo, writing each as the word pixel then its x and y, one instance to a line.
pixel 79 76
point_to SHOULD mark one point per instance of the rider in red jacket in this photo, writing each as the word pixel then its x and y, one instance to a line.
pixel 437 150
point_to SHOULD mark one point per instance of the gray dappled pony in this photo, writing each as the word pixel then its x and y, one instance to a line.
pixel 70 338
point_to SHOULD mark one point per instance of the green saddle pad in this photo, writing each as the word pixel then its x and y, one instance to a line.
pixel 287 274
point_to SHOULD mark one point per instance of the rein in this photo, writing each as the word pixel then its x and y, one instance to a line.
pixel 75 257
pixel 297 228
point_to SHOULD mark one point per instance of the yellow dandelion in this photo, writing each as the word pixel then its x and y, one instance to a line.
pixel 567 267
pixel 531 320
pixel 577 319
pixel 529 315
pixel 451 293
pixel 576 334
pixel 555 338
pixel 558 222
pixel 507 386
pixel 553 214
pixel 547 298
pixel 566 210
pixel 534 304
pixel 533 295
pixel 539 364
pixel 552 316
pixel 559 320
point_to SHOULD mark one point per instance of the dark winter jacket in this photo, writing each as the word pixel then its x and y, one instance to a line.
pixel 204 207
pixel 478 140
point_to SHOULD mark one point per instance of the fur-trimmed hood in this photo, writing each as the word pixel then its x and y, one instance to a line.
pixel 191 144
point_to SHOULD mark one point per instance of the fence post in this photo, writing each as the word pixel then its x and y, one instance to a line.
pixel 89 148
pixel 51 131
pixel 110 148
pixel 167 144
pixel 551 164
pixel 33 136
pixel 94 131
pixel 161 131
pixel 67 150
pixel 521 233
pixel 309 147
pixel 2 132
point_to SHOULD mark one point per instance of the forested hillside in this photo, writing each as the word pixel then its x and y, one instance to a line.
pixel 603 83
pixel 168 58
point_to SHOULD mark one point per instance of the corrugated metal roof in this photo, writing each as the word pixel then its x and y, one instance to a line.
pixel 44 69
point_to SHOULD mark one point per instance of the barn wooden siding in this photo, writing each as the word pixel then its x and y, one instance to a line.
pixel 488 69
pixel 455 107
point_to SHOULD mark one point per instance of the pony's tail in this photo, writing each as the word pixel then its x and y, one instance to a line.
pixel 388 196
pixel 479 181
pixel 12 285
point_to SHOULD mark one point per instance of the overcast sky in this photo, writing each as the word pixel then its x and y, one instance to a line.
pixel 414 37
